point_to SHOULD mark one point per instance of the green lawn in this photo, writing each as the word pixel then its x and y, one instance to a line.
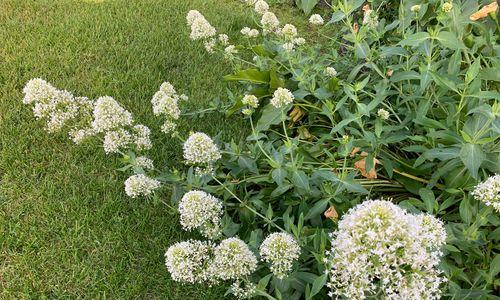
pixel 67 229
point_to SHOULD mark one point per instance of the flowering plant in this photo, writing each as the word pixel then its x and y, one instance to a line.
pixel 402 108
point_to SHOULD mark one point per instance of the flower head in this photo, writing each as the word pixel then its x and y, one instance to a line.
pixel 187 261
pixel 140 185
pixel 331 72
pixel 316 20
pixel 141 137
pixel 251 101
pixel 116 140
pixel 289 31
pixel 415 8
pixel 200 27
pixel 269 21
pixel 488 192
pixel 288 47
pixel 261 7
pixel 447 7
pixel 383 114
pixel 242 290
pixel 281 251
pixel 379 247
pixel 199 148
pixel 251 33
pixel 199 210
pixel 144 163
pixel 282 97
pixel 109 115
pixel 370 17
pixel 232 260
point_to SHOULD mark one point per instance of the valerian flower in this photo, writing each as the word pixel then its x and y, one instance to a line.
pixel 140 185
pixel 199 210
pixel 280 250
pixel 488 192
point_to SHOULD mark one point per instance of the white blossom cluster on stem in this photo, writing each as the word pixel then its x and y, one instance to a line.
pixel 281 97
pixel 205 262
pixel 201 151
pixel 203 31
pixel 280 250
pixel 140 185
pixel 488 192
pixel 316 20
pixel 202 211
pixel 380 249
pixel 165 103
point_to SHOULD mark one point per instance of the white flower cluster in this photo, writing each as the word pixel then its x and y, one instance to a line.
pixel 200 149
pixel 488 192
pixel 250 100
pixel 261 7
pixel 144 163
pixel 383 114
pixel 282 97
pixel 247 291
pixel 251 33
pixel 57 107
pixel 232 260
pixel 281 250
pixel 200 27
pixel 187 261
pixel 199 210
pixel 381 249
pixel 165 103
pixel 370 18
pixel 140 185
pixel 331 72
pixel 269 22
pixel 85 117
pixel 204 262
pixel 316 20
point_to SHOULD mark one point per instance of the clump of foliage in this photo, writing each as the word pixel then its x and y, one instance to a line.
pixel 397 101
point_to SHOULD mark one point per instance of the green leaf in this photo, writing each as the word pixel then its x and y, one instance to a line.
pixel 300 180
pixel 317 209
pixel 270 116
pixel 414 39
pixel 362 50
pixel 450 40
pixel 250 75
pixel 275 81
pixel 473 71
pixel 318 284
pixel 495 266
pixel 279 175
pixel 337 16
pixel 248 163
pixel 306 5
pixel 472 156
pixel 428 197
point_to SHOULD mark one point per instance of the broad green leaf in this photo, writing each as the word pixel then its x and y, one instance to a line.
pixel 362 49
pixel 473 71
pixel 450 40
pixel 306 5
pixel 495 266
pixel 318 208
pixel 250 75
pixel 414 39
pixel 472 156
pixel 279 175
pixel 318 284
pixel 428 197
pixel 300 180
pixel 337 16
pixel 270 116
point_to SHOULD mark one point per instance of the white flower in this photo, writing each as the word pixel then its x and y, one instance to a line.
pixel 289 31
pixel 199 210
pixel 224 39
pixel 232 260
pixel 199 148
pixel 38 90
pixel 447 7
pixel 187 261
pixel 288 47
pixel 141 137
pixel 166 104
pixel 200 28
pixel 246 292
pixel 140 185
pixel 281 251
pixel 331 72
pixel 269 21
pixel 116 140
pixel 380 248
pixel 79 135
pixel 193 15
pixel 370 18
pixel 282 97
pixel 230 50
pixel 169 127
pixel 261 7
pixel 250 100
pixel 488 192
pixel 316 20
pixel 383 114
pixel 109 115
pixel 251 33
pixel 299 41
pixel 415 8
pixel 144 162
pixel 210 45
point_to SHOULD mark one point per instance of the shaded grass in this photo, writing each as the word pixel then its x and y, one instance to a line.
pixel 67 230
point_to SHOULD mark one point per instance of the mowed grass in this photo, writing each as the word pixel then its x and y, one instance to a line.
pixel 67 230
